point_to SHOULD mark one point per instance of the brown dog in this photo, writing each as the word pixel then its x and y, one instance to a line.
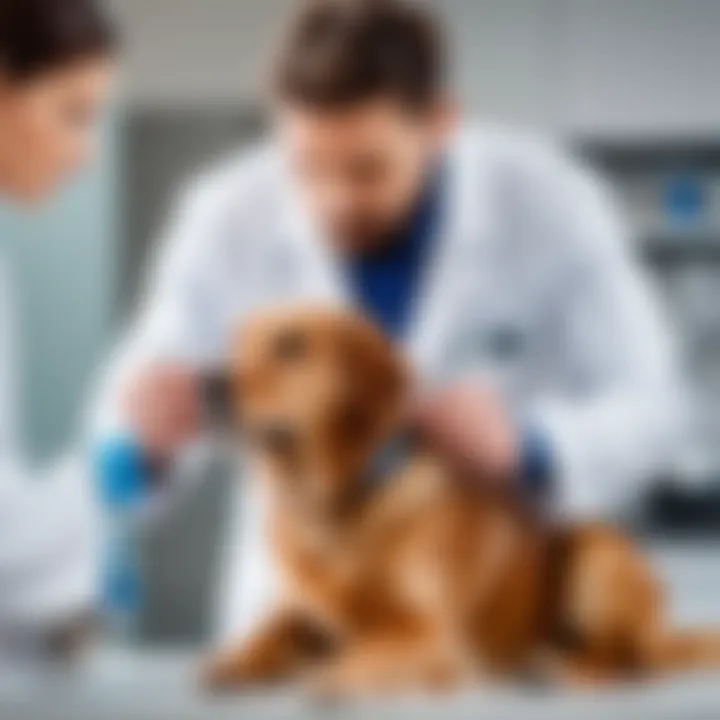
pixel 404 574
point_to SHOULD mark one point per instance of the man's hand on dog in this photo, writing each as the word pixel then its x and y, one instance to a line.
pixel 469 425
pixel 163 406
pixel 466 422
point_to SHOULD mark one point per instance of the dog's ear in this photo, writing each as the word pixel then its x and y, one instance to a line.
pixel 375 368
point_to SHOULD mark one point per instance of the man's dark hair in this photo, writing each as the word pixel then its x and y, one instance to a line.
pixel 339 53
pixel 37 36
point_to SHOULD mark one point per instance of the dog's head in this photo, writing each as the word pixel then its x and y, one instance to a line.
pixel 316 391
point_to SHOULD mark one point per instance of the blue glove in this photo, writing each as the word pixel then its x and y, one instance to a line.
pixel 122 472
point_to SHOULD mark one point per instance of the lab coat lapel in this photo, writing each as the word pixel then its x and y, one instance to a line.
pixel 459 251
pixel 317 273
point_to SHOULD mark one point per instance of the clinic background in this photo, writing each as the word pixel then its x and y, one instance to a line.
pixel 630 84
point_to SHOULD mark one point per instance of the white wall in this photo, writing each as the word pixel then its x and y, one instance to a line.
pixel 504 54
pixel 189 51
pixel 570 65
pixel 638 66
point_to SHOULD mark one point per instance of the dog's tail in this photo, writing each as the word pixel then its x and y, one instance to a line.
pixel 676 651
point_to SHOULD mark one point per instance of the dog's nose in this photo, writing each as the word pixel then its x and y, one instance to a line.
pixel 219 395
pixel 277 439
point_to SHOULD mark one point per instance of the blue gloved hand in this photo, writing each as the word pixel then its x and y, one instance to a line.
pixel 123 472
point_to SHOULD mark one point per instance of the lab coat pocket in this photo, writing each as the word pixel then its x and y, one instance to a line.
pixel 495 348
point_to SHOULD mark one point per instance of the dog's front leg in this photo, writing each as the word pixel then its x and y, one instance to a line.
pixel 388 664
pixel 278 650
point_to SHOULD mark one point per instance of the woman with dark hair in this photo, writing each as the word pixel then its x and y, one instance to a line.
pixel 55 68
pixel 56 60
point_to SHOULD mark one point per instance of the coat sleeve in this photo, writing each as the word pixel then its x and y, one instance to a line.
pixel 49 544
pixel 176 319
pixel 615 415
pixel 182 317
pixel 48 519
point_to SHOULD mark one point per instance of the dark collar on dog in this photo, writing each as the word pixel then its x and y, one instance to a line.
pixel 385 462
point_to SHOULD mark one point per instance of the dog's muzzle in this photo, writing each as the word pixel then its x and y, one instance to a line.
pixel 219 397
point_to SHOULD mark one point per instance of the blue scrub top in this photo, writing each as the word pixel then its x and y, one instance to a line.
pixel 386 281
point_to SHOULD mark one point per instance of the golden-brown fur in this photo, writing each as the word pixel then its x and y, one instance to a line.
pixel 430 579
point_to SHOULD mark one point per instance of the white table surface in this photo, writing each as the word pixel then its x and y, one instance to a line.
pixel 162 685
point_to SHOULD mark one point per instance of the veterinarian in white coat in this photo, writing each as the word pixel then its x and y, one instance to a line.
pixel 54 74
pixel 531 291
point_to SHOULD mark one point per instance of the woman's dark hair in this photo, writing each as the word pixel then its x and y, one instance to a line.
pixel 37 36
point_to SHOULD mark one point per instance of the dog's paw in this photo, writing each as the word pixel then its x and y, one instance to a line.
pixel 222 673
pixel 361 676
pixel 347 682
pixel 330 687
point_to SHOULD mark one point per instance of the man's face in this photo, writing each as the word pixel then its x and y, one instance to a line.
pixel 361 169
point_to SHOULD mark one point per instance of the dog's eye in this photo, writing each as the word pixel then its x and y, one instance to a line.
pixel 276 439
pixel 291 346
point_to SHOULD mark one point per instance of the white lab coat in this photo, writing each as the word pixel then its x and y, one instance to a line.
pixel 532 288
pixel 48 521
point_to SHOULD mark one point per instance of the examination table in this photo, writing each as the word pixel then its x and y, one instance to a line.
pixel 162 684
